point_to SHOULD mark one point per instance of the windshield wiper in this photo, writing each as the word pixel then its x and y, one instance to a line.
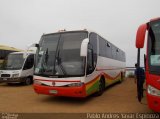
pixel 59 62
pixel 46 56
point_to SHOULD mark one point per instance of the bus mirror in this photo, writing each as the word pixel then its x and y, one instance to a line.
pixel 35 45
pixel 140 37
pixel 84 47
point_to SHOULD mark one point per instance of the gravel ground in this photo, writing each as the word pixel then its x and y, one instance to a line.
pixel 117 98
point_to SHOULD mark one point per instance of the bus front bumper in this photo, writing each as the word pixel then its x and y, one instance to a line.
pixel 60 91
pixel 153 102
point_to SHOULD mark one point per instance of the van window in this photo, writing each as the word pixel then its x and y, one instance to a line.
pixel 29 62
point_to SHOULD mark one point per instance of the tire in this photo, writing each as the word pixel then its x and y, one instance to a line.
pixel 101 87
pixel 28 81
pixel 122 78
pixel 9 84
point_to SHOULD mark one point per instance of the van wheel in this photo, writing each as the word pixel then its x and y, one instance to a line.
pixel 9 84
pixel 28 81
pixel 101 87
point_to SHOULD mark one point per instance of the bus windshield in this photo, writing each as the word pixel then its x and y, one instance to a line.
pixel 14 62
pixel 59 55
pixel 154 45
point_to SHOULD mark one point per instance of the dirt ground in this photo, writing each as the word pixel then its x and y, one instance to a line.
pixel 117 98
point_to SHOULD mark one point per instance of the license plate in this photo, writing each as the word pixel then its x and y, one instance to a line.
pixel 5 79
pixel 53 91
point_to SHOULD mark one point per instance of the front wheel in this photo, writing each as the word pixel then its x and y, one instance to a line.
pixel 28 81
pixel 101 87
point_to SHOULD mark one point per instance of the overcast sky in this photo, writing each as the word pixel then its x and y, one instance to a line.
pixel 22 22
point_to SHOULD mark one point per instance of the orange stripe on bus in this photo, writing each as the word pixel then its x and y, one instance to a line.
pixel 105 75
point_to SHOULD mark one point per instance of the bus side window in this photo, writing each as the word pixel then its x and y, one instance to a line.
pixel 29 62
pixel 93 42
pixel 90 60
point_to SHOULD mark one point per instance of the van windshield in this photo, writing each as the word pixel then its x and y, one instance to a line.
pixel 14 62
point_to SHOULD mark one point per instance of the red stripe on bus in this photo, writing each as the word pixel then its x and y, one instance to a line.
pixel 109 69
pixel 58 80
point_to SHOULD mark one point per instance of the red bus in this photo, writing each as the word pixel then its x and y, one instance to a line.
pixel 152 60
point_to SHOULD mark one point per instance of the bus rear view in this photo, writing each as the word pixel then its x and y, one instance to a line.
pixel 152 60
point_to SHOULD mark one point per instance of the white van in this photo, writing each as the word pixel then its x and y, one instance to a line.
pixel 18 68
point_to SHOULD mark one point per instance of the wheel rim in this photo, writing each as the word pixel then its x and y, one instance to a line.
pixel 28 81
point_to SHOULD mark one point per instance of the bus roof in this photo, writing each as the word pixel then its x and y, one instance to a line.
pixel 4 47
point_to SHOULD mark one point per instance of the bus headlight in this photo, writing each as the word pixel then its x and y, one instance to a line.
pixel 153 91
pixel 75 84
pixel 15 75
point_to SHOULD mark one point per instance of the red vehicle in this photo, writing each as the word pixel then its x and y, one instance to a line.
pixel 152 60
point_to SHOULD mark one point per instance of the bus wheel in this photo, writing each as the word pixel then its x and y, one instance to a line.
pixel 101 87
pixel 122 78
pixel 28 81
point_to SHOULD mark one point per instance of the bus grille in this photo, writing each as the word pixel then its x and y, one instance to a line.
pixel 5 75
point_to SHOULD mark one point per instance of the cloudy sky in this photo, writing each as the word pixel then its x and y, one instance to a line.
pixel 22 22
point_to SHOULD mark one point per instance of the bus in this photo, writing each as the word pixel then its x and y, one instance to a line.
pixel 76 64
pixel 18 68
pixel 152 60
pixel 4 51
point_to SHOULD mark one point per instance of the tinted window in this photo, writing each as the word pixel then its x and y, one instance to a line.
pixel 47 53
pixel 14 62
pixel 154 33
pixel 102 47
pixel 124 57
pixel 114 52
pixel 71 61
pixel 29 62
pixel 93 43
pixel 118 54
pixel 108 50
pixel 90 64
pixel 1 54
pixel 154 47
pixel 4 53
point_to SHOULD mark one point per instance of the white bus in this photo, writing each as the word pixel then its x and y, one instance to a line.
pixel 76 64
pixel 18 68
